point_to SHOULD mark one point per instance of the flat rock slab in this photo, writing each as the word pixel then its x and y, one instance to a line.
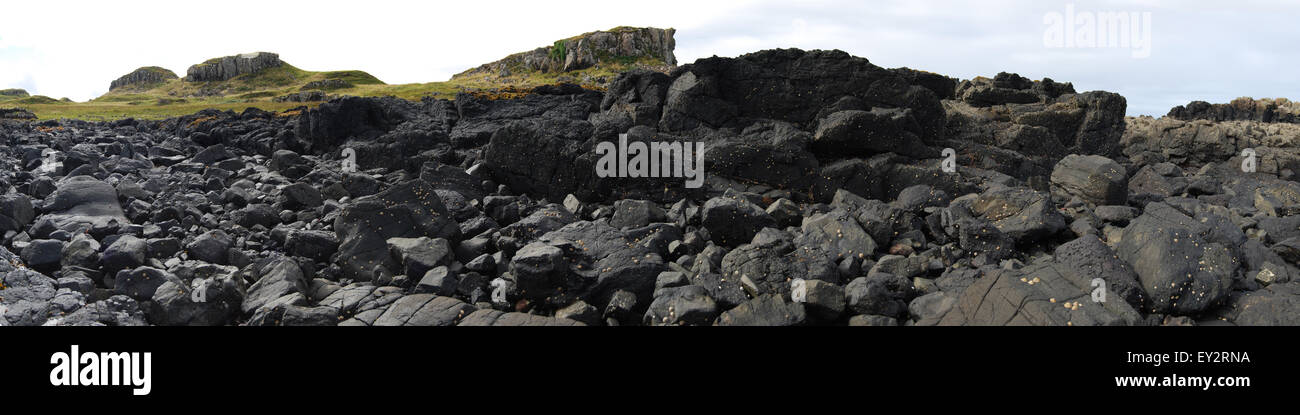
pixel 1045 294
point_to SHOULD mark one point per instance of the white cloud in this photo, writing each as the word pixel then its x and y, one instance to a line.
pixel 1202 49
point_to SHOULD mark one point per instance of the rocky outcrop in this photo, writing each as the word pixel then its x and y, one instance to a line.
pixel 221 69
pixel 327 85
pixel 13 92
pixel 16 114
pixel 587 50
pixel 1240 109
pixel 827 199
pixel 1198 143
pixel 143 77
pixel 1022 128
pixel 306 96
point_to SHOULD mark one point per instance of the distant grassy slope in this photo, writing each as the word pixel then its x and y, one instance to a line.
pixel 272 82
pixel 176 97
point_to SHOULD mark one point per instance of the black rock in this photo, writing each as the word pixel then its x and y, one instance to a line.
pixel 732 221
pixel 141 283
pixel 277 278
pixel 317 245
pixel 439 281
pixel 1040 294
pixel 408 210
pixel 125 253
pixel 680 306
pixel 420 255
pixel 16 212
pixel 43 254
pixel 636 214
pixel 1180 270
pixel 213 246
pixel 879 294
pixel 299 196
pixel 82 203
pixel 765 310
pixel 1096 179
pixel 255 215
pixel 209 301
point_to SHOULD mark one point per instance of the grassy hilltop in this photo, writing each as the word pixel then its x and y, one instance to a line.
pixel 267 89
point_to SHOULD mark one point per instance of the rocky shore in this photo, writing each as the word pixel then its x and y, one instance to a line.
pixel 836 192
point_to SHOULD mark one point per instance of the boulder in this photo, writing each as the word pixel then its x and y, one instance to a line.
pixel 766 310
pixel 1091 257
pixel 1181 271
pixel 636 214
pixel 212 246
pixel 733 220
pixel 278 278
pixel 420 255
pixel 1041 294
pixel 424 310
pixel 317 245
pixel 1096 179
pixel 43 254
pixel 682 306
pixel 82 203
pixel 141 283
pixel 407 210
pixel 16 212
pixel 125 253
pixel 1021 213
pixel 207 302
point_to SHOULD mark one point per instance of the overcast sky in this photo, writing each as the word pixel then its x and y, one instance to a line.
pixel 1208 50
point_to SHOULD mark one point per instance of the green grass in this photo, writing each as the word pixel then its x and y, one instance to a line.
pixel 175 97
pixel 558 51
pixel 267 83
pixel 257 92
pixel 35 99
pixel 607 68
pixel 255 95
pixel 119 97
pixel 353 77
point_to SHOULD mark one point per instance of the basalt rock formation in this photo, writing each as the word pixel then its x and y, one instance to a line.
pixel 16 114
pixel 1240 109
pixel 143 78
pixel 221 69
pixel 590 49
pixel 835 192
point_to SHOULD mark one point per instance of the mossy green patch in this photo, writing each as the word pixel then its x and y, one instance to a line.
pixel 353 77
pixel 36 99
